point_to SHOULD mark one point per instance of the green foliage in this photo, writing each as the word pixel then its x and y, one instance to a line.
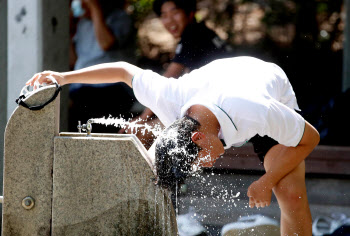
pixel 322 7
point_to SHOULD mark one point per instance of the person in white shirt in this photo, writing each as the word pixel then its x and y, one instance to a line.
pixel 233 100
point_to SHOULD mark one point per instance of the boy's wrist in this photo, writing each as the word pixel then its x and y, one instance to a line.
pixel 268 180
pixel 63 78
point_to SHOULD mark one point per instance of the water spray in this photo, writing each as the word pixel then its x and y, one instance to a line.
pixel 120 123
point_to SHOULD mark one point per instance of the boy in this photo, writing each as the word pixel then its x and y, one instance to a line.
pixel 233 99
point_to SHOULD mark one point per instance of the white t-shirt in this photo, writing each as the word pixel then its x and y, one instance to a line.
pixel 248 96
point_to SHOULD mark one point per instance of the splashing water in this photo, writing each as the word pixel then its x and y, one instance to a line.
pixel 221 196
pixel 176 202
pixel 134 126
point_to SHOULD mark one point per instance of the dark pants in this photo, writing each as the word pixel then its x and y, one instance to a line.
pixel 262 145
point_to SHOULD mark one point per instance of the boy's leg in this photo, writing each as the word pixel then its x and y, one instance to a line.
pixel 291 196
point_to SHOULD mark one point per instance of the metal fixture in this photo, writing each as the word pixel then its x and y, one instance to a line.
pixel 79 126
pixel 28 203
pixel 85 127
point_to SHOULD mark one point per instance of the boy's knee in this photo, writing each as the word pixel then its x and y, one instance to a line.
pixel 291 194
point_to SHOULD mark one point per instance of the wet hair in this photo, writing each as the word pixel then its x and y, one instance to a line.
pixel 175 152
pixel 187 5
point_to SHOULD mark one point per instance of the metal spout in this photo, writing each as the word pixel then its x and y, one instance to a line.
pixel 85 127
pixel 79 126
pixel 89 127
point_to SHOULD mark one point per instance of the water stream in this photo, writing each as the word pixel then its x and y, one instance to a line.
pixel 134 126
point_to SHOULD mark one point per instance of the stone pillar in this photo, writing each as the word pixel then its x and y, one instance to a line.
pixel 55 46
pixel 24 46
pixel 346 50
pixel 36 35
pixel 38 39
pixel 28 161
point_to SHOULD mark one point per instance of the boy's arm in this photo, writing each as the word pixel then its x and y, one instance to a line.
pixel 284 159
pixel 102 73
pixel 290 157
pixel 174 70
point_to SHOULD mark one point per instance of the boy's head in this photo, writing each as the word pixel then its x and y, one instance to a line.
pixel 175 14
pixel 175 152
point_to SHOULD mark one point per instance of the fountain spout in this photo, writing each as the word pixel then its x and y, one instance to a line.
pixel 85 127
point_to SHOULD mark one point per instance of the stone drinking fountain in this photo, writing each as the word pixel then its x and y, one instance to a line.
pixel 77 184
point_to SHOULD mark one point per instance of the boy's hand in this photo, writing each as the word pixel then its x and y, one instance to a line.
pixel 259 194
pixel 42 77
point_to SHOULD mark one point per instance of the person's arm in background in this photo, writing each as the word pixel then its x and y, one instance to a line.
pixel 102 73
pixel 104 35
pixel 174 70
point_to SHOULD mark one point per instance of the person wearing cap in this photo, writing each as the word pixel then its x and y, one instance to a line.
pixel 233 100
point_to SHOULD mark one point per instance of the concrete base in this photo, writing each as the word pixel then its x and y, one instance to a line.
pixel 103 186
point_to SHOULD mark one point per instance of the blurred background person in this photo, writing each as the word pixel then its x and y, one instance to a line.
pixel 101 31
pixel 197 46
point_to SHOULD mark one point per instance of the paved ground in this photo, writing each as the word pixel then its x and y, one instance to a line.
pixel 214 197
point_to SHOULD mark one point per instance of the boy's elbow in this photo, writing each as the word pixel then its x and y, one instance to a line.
pixel 311 137
pixel 317 138
pixel 314 140
pixel 314 136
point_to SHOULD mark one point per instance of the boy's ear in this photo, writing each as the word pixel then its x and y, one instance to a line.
pixel 196 136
